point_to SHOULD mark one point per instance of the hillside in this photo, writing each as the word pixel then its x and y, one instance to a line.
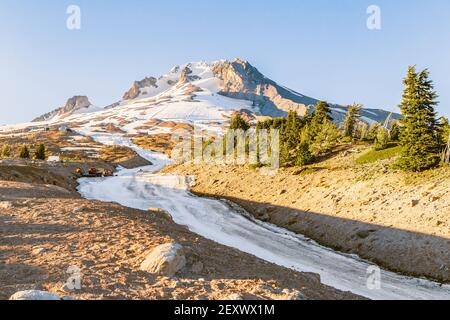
pixel 395 219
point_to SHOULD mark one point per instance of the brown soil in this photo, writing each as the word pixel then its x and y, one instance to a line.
pixel 40 172
pixel 162 143
pixel 400 221
pixel 122 156
pixel 46 229
pixel 53 140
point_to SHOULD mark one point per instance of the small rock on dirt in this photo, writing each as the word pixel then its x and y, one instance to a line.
pixel 235 297
pixel 38 251
pixel 166 259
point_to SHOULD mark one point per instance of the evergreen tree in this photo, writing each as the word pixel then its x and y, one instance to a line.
pixel 351 119
pixel 293 151
pixel 320 133
pixel 373 131
pixel 394 134
pixel 362 130
pixel 444 129
pixel 326 138
pixel 6 151
pixel 382 139
pixel 323 111
pixel 420 131
pixel 40 152
pixel 239 123
pixel 24 152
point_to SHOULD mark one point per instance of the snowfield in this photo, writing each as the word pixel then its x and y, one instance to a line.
pixel 229 225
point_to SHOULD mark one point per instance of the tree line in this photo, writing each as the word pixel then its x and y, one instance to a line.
pixel 424 138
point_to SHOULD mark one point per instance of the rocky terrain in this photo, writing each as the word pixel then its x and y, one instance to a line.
pixel 135 90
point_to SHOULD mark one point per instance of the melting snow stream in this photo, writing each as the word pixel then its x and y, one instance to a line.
pixel 226 224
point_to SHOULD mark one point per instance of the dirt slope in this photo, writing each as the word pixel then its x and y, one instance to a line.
pixel 399 221
pixel 45 229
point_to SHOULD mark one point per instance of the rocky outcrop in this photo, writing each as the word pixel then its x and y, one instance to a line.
pixel 187 76
pixel 30 295
pixel 137 87
pixel 73 104
pixel 164 260
pixel 243 81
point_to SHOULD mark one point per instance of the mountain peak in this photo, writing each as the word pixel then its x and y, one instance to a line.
pixel 135 89
pixel 74 104
pixel 209 90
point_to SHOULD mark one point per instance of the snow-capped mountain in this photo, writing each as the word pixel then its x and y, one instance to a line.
pixel 241 81
pixel 198 91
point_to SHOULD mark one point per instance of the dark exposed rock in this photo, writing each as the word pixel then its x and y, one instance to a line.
pixel 135 90
pixel 187 76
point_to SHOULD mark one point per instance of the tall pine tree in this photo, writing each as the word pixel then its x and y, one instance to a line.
pixel 351 119
pixel 320 133
pixel 293 151
pixel 420 132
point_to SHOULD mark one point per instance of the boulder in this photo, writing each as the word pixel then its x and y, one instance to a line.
pixel 34 295
pixel 164 260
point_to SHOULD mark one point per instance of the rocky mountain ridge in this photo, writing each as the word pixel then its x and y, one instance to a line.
pixel 242 86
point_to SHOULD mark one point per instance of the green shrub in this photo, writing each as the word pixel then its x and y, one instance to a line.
pixel 24 152
pixel 382 139
pixel 376 155
pixel 6 151
pixel 40 152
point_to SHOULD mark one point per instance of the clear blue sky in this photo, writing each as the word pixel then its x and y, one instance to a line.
pixel 321 48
